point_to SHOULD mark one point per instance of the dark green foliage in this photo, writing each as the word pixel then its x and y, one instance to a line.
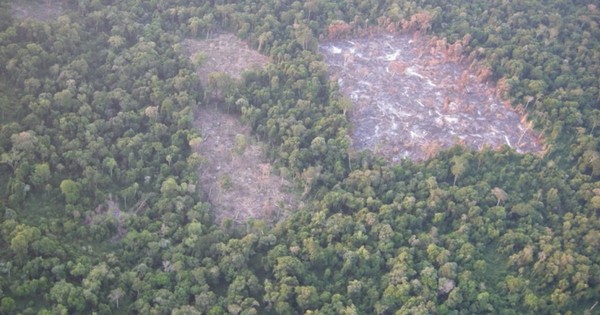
pixel 100 210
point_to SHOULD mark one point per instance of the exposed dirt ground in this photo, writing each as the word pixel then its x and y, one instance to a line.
pixel 409 101
pixel 38 11
pixel 236 178
pixel 224 53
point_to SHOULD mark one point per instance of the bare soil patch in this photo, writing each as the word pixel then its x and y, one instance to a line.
pixel 409 100
pixel 45 11
pixel 234 175
pixel 223 53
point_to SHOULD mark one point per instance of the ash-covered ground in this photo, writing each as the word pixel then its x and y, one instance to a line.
pixel 409 100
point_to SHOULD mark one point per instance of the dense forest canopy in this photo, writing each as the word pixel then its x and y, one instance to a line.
pixel 100 203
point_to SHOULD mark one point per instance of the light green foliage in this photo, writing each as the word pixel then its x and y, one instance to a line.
pixel 41 175
pixel 241 142
pixel 7 305
pixel 169 187
pixel 22 237
pixel 70 190
pixel 306 297
pixel 199 59
pixel 459 167
pixel 110 164
pixel 225 182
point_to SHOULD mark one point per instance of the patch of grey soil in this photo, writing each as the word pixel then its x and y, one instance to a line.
pixel 45 11
pixel 234 175
pixel 410 100
pixel 224 53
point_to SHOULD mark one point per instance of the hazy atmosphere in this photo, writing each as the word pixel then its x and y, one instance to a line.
pixel 287 157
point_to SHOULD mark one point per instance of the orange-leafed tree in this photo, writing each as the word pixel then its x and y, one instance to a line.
pixel 338 29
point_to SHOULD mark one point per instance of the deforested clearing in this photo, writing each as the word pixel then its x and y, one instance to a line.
pixel 37 11
pixel 412 96
pixel 223 53
pixel 234 175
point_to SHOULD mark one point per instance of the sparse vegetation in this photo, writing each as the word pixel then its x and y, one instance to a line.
pixel 40 11
pixel 223 53
pixel 234 173
pixel 225 182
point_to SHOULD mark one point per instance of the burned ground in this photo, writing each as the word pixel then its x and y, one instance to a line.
pixel 410 100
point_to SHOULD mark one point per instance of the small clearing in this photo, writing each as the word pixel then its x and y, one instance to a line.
pixel 236 179
pixel 223 53
pixel 410 99
pixel 45 11
pixel 111 208
pixel 234 175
